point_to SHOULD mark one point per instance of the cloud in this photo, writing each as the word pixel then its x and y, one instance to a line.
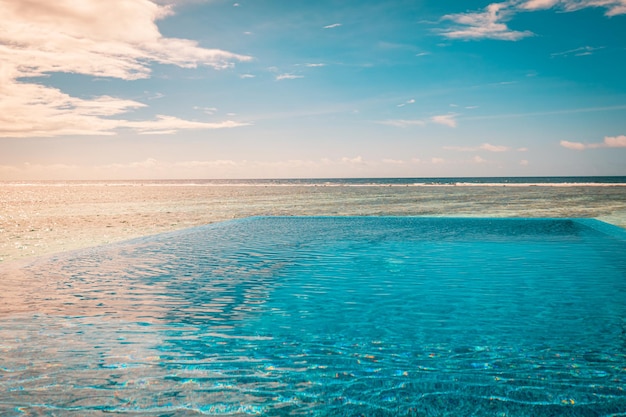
pixel 315 65
pixel 494 148
pixel 288 77
pixel 169 124
pixel 484 147
pixel 410 101
pixel 247 76
pixel 582 51
pixel 358 160
pixel 444 119
pixel 615 141
pixel 207 110
pixel 116 38
pixel 524 162
pixel 614 7
pixel 539 4
pixel 488 24
pixel 403 123
pixel 334 25
pixel 478 160
pixel 573 145
pixel 491 22
pixel 393 161
pixel 609 142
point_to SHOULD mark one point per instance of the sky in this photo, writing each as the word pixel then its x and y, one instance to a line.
pixel 191 89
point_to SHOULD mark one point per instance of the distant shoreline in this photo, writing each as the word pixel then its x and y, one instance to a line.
pixel 542 181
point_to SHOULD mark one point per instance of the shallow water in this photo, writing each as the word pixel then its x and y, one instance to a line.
pixel 325 316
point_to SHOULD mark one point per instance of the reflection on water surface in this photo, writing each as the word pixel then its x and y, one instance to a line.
pixel 324 316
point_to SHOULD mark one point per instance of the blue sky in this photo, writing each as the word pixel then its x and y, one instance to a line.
pixel 278 89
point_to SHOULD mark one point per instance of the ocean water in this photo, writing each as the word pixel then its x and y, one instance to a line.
pixel 326 316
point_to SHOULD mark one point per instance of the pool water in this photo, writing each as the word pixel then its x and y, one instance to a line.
pixel 326 316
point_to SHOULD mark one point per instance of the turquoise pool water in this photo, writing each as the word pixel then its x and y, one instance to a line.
pixel 326 316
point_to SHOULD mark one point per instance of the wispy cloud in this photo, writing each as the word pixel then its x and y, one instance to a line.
pixel 207 110
pixel 582 51
pixel 445 119
pixel 410 101
pixel 487 24
pixel 334 25
pixel 609 142
pixel 538 4
pixel 247 76
pixel 288 77
pixel 168 124
pixel 402 122
pixel 484 147
pixel 491 22
pixel 613 7
pixel 547 113
pixel 314 65
pixel 117 38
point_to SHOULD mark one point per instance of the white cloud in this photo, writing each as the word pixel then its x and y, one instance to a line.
pixel 247 76
pixel 358 160
pixel 539 4
pixel 479 160
pixel 288 77
pixel 524 162
pixel 207 110
pixel 315 65
pixel 573 145
pixel 334 25
pixel 484 147
pixel 615 141
pixel 410 101
pixel 402 122
pixel 169 124
pixel 582 51
pixel 491 23
pixel 488 24
pixel 437 161
pixel 444 119
pixel 609 142
pixel 393 161
pixel 494 148
pixel 614 7
pixel 116 38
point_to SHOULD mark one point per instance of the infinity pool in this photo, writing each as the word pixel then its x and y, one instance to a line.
pixel 325 316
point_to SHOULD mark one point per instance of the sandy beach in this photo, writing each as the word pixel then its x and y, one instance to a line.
pixel 41 219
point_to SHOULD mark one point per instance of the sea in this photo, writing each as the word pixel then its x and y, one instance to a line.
pixel 555 181
pixel 210 200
